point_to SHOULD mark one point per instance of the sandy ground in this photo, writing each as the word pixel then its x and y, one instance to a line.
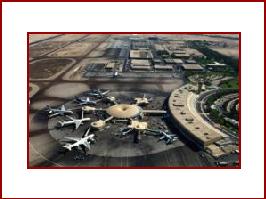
pixel 74 50
pixel 45 47
pixel 46 67
pixel 232 52
pixel 96 37
pixel 39 37
pixel 34 89
pixel 41 104
pixel 66 90
pixel 69 37
pixel 36 124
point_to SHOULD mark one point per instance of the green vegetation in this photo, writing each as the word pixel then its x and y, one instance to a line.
pixel 213 55
pixel 203 60
pixel 233 83
pixel 215 115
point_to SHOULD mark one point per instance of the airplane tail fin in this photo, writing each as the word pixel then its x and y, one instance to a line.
pixel 60 124
pixel 63 108
pixel 77 124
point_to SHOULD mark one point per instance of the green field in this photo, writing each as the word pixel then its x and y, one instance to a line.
pixel 233 83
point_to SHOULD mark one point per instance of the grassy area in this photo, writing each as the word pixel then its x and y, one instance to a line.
pixel 218 118
pixel 203 60
pixel 230 84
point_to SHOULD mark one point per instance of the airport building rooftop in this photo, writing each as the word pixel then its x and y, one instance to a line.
pixel 140 54
pixel 192 67
pixel 163 67
pixel 192 127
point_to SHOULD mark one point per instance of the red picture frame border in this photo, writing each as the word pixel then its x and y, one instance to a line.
pixel 133 1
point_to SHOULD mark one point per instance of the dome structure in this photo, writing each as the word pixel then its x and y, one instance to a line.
pixel 98 124
pixel 124 111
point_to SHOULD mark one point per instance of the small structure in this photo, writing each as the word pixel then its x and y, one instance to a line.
pixel 173 61
pixel 124 111
pixel 216 66
pixel 88 109
pixel 157 61
pixel 192 67
pixel 110 66
pixel 100 124
pixel 141 100
pixel 180 54
pixel 140 54
pixel 161 50
pixel 140 64
pixel 138 125
pixel 163 67
pixel 191 61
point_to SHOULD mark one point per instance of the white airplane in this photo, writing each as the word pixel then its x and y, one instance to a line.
pixel 168 138
pixel 125 131
pixel 72 121
pixel 143 100
pixel 111 99
pixel 98 93
pixel 81 143
pixel 58 111
pixel 115 74
pixel 86 101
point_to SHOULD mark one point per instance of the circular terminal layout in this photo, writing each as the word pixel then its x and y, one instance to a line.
pixel 124 111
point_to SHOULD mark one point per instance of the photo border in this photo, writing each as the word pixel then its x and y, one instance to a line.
pixel 1 189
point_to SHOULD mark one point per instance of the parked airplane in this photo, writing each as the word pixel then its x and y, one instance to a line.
pixel 58 111
pixel 168 138
pixel 125 131
pixel 86 101
pixel 111 99
pixel 81 143
pixel 98 93
pixel 72 121
pixel 143 100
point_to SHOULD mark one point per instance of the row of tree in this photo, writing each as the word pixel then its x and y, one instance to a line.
pixel 202 46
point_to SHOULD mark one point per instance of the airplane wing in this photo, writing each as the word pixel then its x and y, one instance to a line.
pixel 54 114
pixel 106 92
pixel 71 118
pixel 161 138
pixel 87 145
pixel 98 100
pixel 73 138
pixel 87 132
pixel 77 124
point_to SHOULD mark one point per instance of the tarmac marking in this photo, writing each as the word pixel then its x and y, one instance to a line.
pixel 44 156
